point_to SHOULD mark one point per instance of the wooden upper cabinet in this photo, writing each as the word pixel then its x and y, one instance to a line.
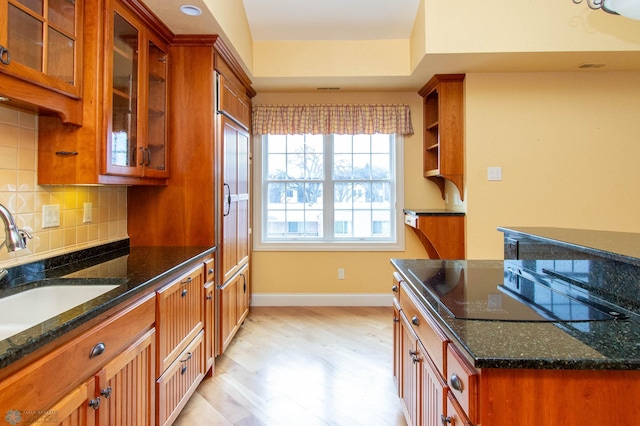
pixel 443 139
pixel 136 84
pixel 234 92
pixel 123 139
pixel 41 55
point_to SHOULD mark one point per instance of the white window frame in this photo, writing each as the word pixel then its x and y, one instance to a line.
pixel 398 244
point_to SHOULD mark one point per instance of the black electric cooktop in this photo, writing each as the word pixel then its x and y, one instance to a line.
pixel 500 294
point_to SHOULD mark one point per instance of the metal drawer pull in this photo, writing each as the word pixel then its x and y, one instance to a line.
pixel 209 297
pixel 445 419
pixel 456 383
pixel 97 350
pixel 5 56
pixel 415 320
pixel 394 288
pixel 95 403
pixel 210 271
pixel 184 292
pixel 66 153
pixel 189 355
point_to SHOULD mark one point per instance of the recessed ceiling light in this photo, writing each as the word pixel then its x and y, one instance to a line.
pixel 190 10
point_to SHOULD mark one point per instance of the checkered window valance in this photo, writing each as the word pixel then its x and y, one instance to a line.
pixel 329 119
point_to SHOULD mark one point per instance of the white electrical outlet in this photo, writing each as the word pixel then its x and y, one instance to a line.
pixel 88 213
pixel 341 273
pixel 51 216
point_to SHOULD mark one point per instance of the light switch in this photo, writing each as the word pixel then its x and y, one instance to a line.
pixel 494 173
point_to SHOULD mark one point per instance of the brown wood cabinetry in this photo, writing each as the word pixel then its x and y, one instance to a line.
pixel 446 389
pixel 209 147
pixel 180 323
pixel 41 56
pixel 122 139
pixel 442 235
pixel 424 358
pixel 209 315
pixel 443 139
pixel 233 306
pixel 79 378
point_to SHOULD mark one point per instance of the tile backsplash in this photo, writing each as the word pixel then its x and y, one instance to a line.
pixel 24 198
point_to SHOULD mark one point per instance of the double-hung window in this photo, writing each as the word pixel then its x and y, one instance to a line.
pixel 328 192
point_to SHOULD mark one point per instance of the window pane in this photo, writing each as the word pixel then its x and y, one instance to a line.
pixel 360 204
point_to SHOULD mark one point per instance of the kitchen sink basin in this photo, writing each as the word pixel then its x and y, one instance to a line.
pixel 23 310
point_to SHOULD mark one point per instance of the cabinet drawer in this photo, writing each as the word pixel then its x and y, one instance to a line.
pixel 42 383
pixel 432 338
pixel 455 414
pixel 463 382
pixel 181 379
pixel 396 288
pixel 209 270
pixel 179 315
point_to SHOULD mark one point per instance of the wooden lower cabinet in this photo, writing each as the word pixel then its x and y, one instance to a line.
pixel 180 320
pixel 180 380
pixel 69 386
pixel 127 395
pixel 423 389
pixel 438 384
pixel 234 306
pixel 75 409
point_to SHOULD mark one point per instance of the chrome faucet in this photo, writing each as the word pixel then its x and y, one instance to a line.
pixel 15 239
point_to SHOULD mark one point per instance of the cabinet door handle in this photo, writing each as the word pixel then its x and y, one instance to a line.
pixel 95 403
pixel 394 288
pixel 143 154
pixel 97 350
pixel 148 157
pixel 106 392
pixel 209 297
pixel 456 383
pixel 184 292
pixel 415 320
pixel 227 204
pixel 445 419
pixel 5 56
pixel 396 319
pixel 210 271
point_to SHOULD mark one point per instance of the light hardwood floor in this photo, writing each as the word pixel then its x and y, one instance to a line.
pixel 303 366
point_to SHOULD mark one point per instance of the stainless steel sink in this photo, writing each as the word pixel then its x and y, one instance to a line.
pixel 23 310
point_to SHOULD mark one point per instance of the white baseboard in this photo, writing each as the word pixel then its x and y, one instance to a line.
pixel 321 299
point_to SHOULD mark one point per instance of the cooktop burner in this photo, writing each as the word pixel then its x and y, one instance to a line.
pixel 492 293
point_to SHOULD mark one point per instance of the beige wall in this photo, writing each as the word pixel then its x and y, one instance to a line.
pixel 569 148
pixel 20 193
pixel 365 272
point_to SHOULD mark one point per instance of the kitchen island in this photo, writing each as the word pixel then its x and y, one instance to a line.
pixel 542 370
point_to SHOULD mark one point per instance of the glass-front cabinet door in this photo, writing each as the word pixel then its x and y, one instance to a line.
pixel 137 133
pixel 122 157
pixel 156 156
pixel 40 42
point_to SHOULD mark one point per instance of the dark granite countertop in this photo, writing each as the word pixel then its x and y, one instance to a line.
pixel 619 246
pixel 600 345
pixel 433 212
pixel 137 269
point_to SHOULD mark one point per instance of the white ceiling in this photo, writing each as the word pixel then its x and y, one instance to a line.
pixel 281 20
pixel 330 19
